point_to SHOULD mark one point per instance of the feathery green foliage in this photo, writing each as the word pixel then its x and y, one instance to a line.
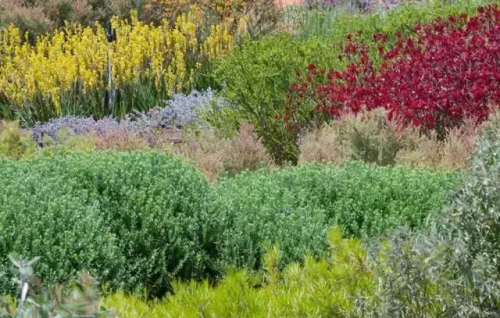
pixel 323 288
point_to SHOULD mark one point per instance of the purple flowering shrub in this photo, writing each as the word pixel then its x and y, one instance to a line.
pixel 180 111
pixel 177 112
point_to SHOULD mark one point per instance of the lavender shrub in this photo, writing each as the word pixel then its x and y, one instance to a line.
pixel 177 112
pixel 180 111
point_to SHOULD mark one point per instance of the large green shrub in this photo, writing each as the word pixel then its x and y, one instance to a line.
pixel 256 78
pixel 295 207
pixel 44 213
pixel 142 219
pixel 132 220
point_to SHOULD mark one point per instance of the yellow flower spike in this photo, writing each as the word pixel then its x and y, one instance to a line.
pixel 76 54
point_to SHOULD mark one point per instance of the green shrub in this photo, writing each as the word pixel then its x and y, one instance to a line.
pixel 323 288
pixel 14 143
pixel 256 78
pixel 143 219
pixel 132 220
pixel 295 207
pixel 45 213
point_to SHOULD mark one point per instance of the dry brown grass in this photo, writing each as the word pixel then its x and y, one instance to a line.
pixel 324 145
pixel 213 155
pixel 368 136
pixel 372 138
pixel 120 140
pixel 429 151
pixel 216 156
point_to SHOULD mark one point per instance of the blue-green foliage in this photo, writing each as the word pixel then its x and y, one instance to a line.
pixel 453 265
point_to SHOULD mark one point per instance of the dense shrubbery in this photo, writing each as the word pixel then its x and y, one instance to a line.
pixel 449 269
pixel 142 219
pixel 325 288
pixel 295 207
pixel 370 137
pixel 130 220
pixel 259 91
pixel 452 266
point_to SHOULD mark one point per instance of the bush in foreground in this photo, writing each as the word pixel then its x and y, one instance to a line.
pixel 326 288
pixel 295 207
pixel 142 219
pixel 131 220
pixel 452 269
pixel 448 270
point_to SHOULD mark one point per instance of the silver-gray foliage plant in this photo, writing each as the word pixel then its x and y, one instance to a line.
pixel 452 269
pixel 82 300
pixel 179 111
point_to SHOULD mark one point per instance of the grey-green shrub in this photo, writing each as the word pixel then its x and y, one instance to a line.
pixel 81 299
pixel 452 268
pixel 295 207
pixel 132 220
pixel 472 224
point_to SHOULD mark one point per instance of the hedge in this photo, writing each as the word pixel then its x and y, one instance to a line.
pixel 141 219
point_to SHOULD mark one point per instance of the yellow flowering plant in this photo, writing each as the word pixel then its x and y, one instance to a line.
pixel 61 67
